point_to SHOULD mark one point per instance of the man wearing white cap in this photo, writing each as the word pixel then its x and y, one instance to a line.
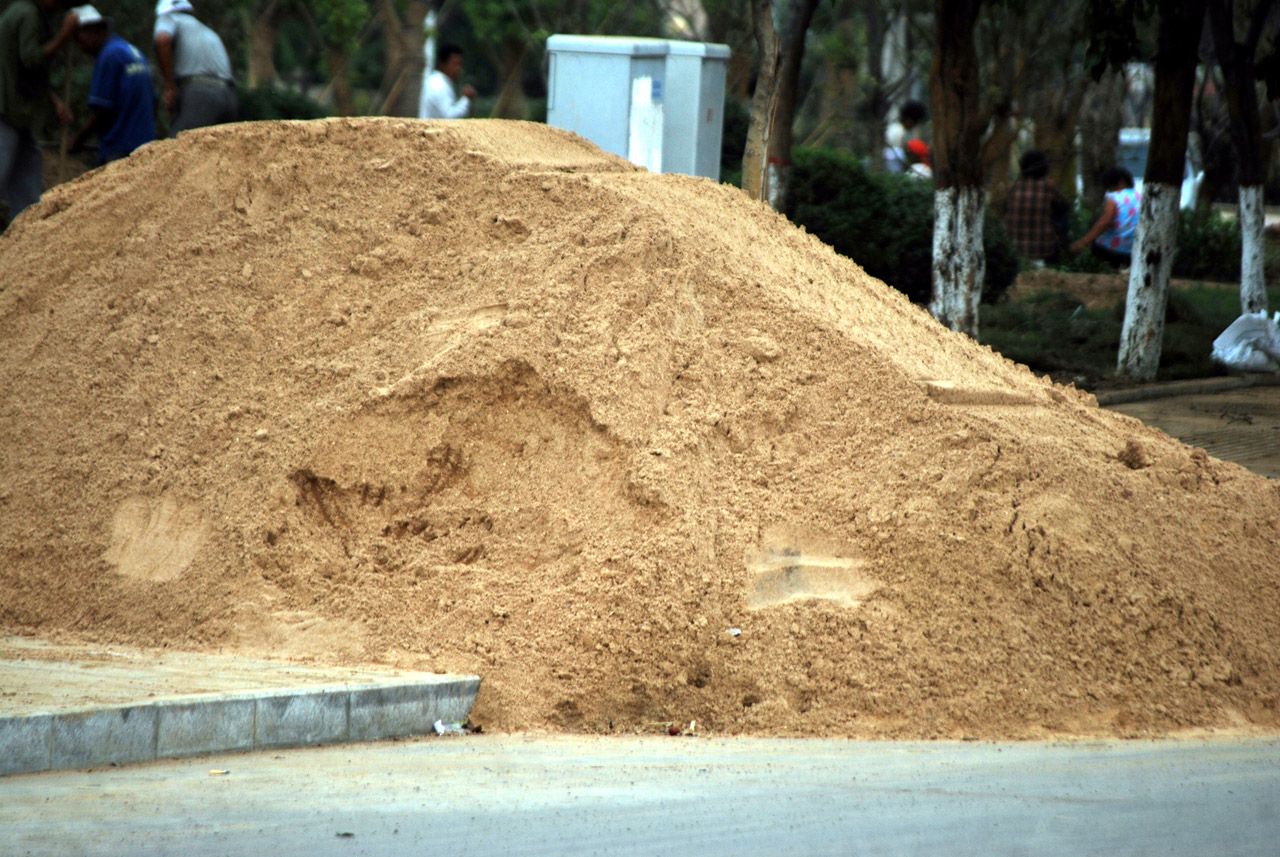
pixel 121 98
pixel 198 87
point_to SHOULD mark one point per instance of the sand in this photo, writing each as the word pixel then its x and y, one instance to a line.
pixel 478 397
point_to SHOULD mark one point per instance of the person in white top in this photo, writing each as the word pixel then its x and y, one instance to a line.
pixel 439 99
pixel 199 89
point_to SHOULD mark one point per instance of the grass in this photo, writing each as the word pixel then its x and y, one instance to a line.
pixel 1054 334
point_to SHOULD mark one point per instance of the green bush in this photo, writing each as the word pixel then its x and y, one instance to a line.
pixel 270 103
pixel 884 222
pixel 1208 247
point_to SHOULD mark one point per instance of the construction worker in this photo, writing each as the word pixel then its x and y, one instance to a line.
pixel 27 44
pixel 199 89
pixel 121 98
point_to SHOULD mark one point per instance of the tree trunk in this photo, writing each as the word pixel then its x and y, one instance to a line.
pixel 1057 115
pixel 997 157
pixel 1153 249
pixel 875 106
pixel 958 261
pixel 511 103
pixel 339 85
pixel 763 101
pixel 959 265
pixel 838 88
pixel 393 41
pixel 1237 62
pixel 402 75
pixel 737 78
pixel 1141 338
pixel 1253 278
pixel 797 15
pixel 264 23
pixel 1100 121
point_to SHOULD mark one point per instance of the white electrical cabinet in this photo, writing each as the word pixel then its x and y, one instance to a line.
pixel 657 102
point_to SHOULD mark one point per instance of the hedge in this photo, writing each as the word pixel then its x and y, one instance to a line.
pixel 884 222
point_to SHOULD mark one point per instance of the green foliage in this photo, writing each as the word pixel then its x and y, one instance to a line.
pixel 269 103
pixel 340 22
pixel 884 222
pixel 492 20
pixel 1208 247
pixel 535 20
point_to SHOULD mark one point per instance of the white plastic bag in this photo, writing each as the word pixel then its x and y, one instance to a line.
pixel 1251 343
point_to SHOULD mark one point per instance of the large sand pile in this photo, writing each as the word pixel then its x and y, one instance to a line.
pixel 478 397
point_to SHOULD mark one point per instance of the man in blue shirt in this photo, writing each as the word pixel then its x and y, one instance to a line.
pixel 121 97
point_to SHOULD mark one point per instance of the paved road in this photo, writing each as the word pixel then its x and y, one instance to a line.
pixel 657 796
pixel 1235 425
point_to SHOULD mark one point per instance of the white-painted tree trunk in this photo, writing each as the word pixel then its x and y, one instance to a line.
pixel 1153 248
pixel 959 264
pixel 779 179
pixel 1253 278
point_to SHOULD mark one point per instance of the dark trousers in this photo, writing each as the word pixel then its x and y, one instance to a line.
pixel 21 168
pixel 204 101
pixel 1111 257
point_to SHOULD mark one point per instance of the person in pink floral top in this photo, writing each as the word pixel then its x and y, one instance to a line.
pixel 1111 236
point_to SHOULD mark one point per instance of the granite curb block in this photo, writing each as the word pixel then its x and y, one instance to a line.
pixel 218 723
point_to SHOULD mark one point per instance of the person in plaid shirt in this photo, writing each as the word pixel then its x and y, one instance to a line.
pixel 1035 213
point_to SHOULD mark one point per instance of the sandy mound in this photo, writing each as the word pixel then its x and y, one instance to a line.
pixel 478 397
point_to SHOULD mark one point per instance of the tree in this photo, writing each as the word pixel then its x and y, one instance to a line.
pixel 1055 110
pixel 1030 81
pixel 338 25
pixel 796 16
pixel 727 22
pixel 515 33
pixel 959 198
pixel 763 101
pixel 1101 117
pixel 1141 337
pixel 262 21
pixel 402 32
pixel 1239 69
pixel 867 60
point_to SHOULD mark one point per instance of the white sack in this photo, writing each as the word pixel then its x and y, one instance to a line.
pixel 1251 343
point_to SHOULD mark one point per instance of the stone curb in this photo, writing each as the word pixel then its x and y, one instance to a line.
pixel 219 723
pixel 1187 388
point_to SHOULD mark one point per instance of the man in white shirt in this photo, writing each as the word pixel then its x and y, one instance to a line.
pixel 198 87
pixel 438 99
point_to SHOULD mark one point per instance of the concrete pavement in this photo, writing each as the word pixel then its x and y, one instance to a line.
pixel 74 707
pixel 485 795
